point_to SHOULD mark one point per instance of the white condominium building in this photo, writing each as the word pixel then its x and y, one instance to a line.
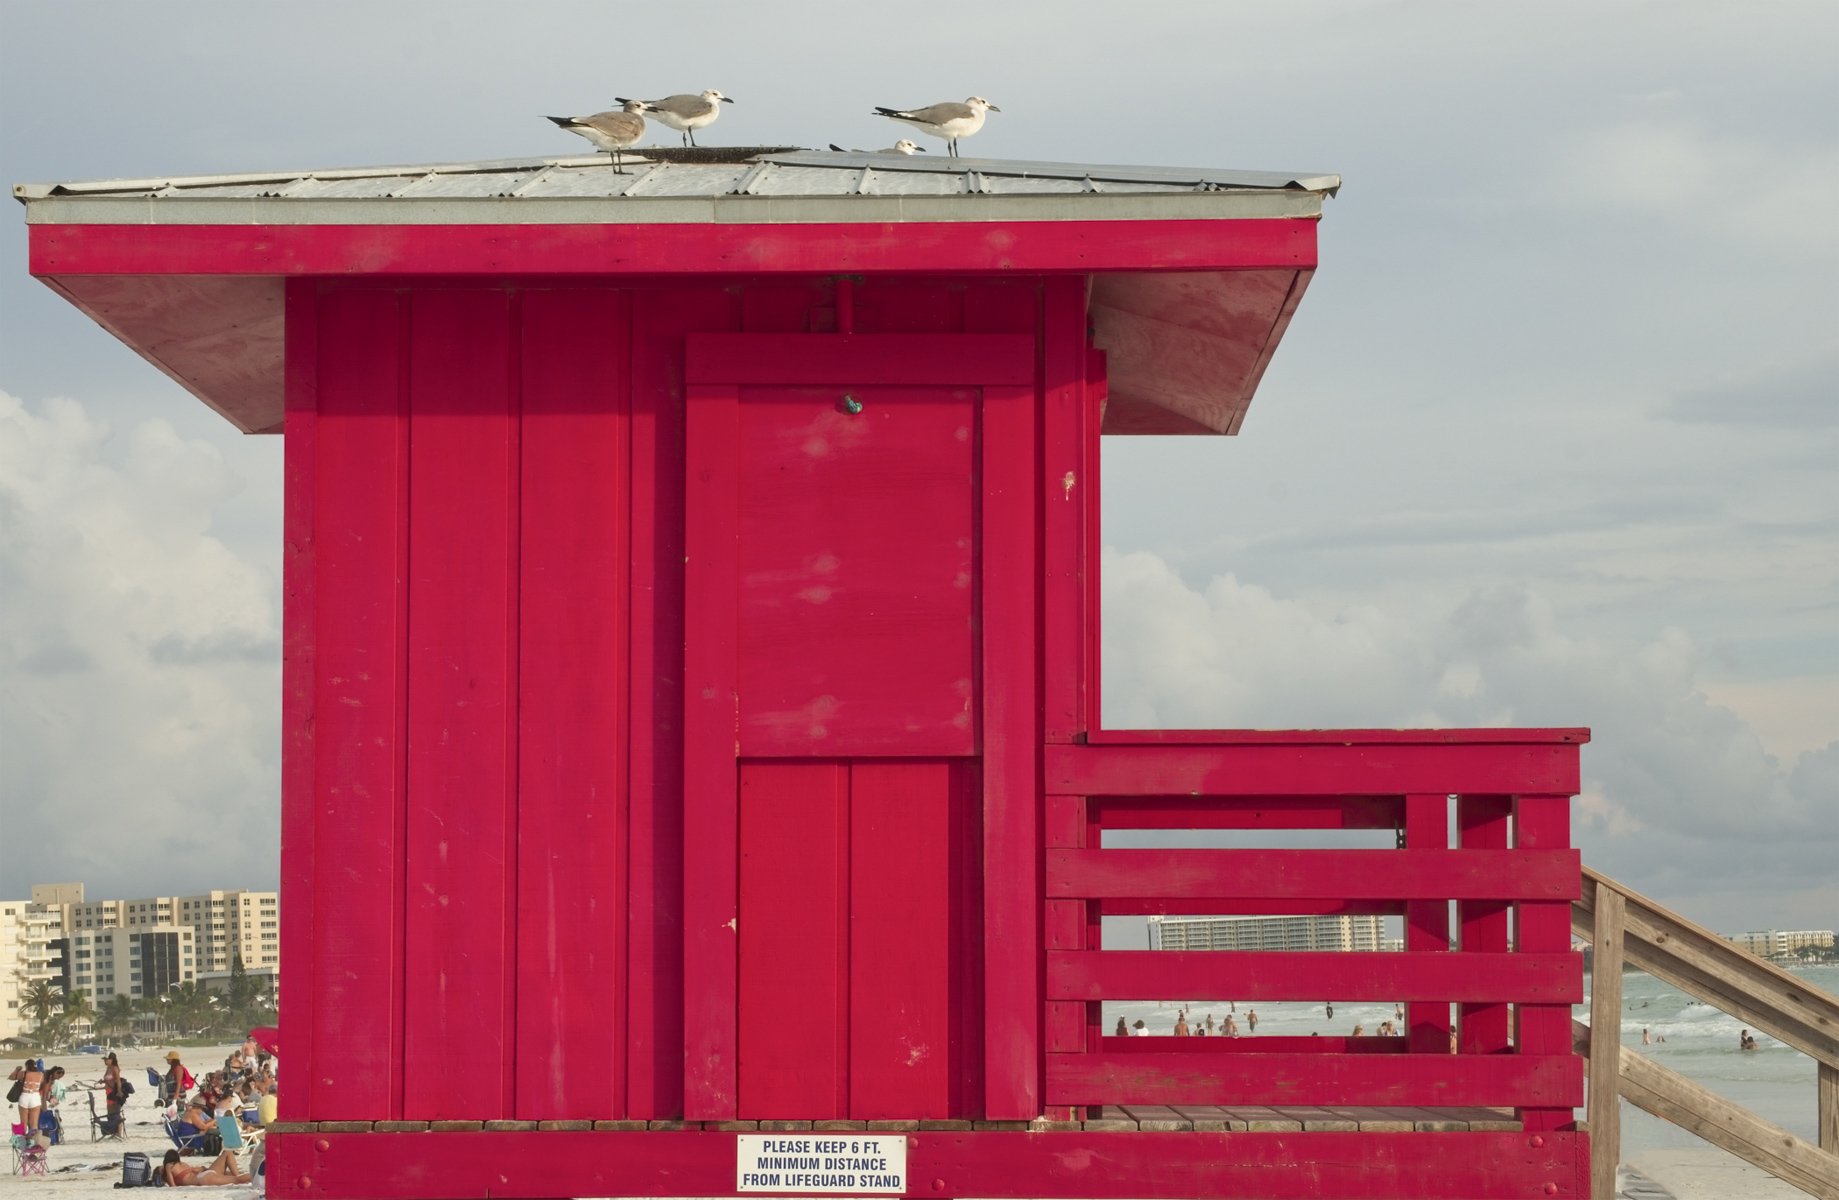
pixel 1775 943
pixel 1268 933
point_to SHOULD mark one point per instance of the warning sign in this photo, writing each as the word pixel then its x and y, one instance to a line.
pixel 853 1164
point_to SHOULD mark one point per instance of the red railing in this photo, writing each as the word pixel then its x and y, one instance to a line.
pixel 1499 975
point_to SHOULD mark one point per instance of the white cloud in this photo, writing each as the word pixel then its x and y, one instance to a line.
pixel 1676 787
pixel 139 662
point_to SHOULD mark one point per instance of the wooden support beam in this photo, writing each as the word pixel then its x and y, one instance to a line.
pixel 1672 1097
pixel 1605 1014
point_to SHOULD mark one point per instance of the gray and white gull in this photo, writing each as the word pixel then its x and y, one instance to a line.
pixel 685 113
pixel 611 131
pixel 950 120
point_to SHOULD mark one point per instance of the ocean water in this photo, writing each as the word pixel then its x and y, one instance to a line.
pixel 1774 1081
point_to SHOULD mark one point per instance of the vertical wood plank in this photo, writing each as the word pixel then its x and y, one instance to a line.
pixel 1427 921
pixel 660 317
pixel 1011 779
pixel 573 683
pixel 711 733
pixel 967 936
pixel 1482 824
pixel 298 677
pixel 1543 823
pixel 793 1019
pixel 461 706
pixel 1065 925
pixel 360 560
pixel 1605 1096
pixel 1097 392
pixel 901 1056
pixel 1828 1112
pixel 1064 482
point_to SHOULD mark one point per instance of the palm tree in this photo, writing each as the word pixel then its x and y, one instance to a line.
pixel 77 1009
pixel 117 1013
pixel 41 1000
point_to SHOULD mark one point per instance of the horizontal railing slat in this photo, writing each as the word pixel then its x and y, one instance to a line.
pixel 1257 906
pixel 1159 1043
pixel 1430 1080
pixel 1292 975
pixel 1248 812
pixel 1315 874
pixel 1285 769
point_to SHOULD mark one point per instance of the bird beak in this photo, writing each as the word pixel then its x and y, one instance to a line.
pixel 993 108
pixel 727 99
pixel 919 149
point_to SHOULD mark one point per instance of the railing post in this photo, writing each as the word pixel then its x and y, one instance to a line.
pixel 1482 824
pixel 1829 1108
pixel 1543 927
pixel 1427 921
pixel 1605 1042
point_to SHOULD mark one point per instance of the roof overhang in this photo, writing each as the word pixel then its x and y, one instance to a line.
pixel 1192 284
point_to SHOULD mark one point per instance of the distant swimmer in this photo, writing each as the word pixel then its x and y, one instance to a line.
pixel 1645 1040
pixel 1331 1010
pixel 1745 1041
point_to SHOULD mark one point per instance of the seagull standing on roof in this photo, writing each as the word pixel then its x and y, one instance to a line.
pixel 611 131
pixel 686 114
pixel 903 146
pixel 950 120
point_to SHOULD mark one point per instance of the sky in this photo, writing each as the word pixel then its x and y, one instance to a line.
pixel 1550 442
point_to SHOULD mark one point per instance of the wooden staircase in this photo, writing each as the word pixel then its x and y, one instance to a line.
pixel 1626 927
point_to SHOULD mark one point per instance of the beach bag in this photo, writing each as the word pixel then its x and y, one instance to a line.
pixel 136 1170
pixel 16 1091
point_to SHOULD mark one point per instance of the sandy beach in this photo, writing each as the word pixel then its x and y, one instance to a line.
pixel 81 1169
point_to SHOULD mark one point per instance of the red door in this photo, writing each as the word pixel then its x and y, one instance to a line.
pixel 860 579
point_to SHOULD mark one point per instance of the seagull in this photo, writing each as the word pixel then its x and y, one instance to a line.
pixel 611 131
pixel 686 114
pixel 903 146
pixel 950 120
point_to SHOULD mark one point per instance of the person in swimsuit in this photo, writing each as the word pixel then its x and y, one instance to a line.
pixel 221 1173
pixel 32 1079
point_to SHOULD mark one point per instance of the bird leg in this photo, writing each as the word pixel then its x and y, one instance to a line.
pixel 691 134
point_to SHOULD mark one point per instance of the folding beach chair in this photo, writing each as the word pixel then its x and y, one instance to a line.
pixel 187 1139
pixel 101 1125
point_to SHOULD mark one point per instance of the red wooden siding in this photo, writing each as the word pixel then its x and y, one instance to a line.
pixel 572 647
pixel 851 953
pixel 360 502
pixel 460 951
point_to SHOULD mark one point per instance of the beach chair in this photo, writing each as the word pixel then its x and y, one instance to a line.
pixel 187 1139
pixel 28 1155
pixel 230 1133
pixel 102 1126
pixel 157 1085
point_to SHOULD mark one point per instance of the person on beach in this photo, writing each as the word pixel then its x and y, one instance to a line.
pixel 221 1173
pixel 1645 1040
pixel 1123 1030
pixel 178 1080
pixel 1331 1010
pixel 1230 1027
pixel 30 1079
pixel 1209 1022
pixel 1745 1041
pixel 1139 1029
pixel 1360 1031
pixel 110 1083
pixel 1251 1019
pixel 1181 1026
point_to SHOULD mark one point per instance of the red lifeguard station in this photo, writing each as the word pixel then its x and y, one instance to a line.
pixel 693 781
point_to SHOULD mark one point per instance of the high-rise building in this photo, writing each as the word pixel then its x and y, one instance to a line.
pixel 1268 933
pixel 53 937
pixel 1778 943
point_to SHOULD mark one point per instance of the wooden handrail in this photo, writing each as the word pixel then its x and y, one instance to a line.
pixel 1624 925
